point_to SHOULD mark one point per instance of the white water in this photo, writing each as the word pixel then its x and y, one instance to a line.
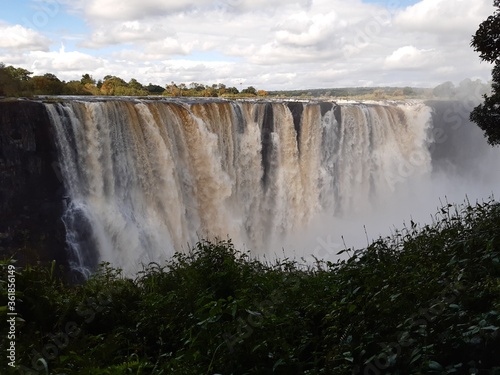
pixel 146 179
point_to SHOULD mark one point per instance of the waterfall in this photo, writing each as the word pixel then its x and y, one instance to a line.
pixel 146 178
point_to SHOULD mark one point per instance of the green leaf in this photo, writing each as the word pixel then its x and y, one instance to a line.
pixel 254 313
pixel 234 309
pixel 490 328
pixel 278 363
pixel 433 365
pixel 348 356
pixel 415 358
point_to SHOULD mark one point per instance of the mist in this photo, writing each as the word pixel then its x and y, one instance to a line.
pixel 281 179
pixel 464 170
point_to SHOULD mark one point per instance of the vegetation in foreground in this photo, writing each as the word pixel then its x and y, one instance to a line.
pixel 424 301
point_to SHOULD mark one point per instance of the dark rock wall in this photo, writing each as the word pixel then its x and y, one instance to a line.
pixel 31 194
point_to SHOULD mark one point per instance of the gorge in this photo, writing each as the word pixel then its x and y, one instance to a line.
pixel 130 180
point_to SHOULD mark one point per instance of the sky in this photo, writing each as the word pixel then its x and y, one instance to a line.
pixel 268 44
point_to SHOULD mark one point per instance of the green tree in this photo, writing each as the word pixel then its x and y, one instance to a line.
pixel 220 88
pixel 48 84
pixel 134 84
pixel 182 87
pixel 76 88
pixel 113 86
pixel 196 86
pixel 87 79
pixel 232 90
pixel 19 73
pixel 486 41
pixel 154 89
pixel 8 85
pixel 250 90
pixel 15 81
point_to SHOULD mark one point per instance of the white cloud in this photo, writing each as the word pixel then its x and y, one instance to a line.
pixel 449 17
pixel 142 9
pixel 270 44
pixel 409 57
pixel 302 30
pixel 137 9
pixel 17 37
pixel 124 32
pixel 66 65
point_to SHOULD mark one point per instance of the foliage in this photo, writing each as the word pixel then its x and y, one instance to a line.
pixel 486 42
pixel 423 301
pixel 13 81
pixel 199 90
pixel 250 90
pixel 87 79
pixel 17 82
pixel 48 84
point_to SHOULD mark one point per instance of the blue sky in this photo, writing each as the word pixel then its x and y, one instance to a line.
pixel 272 44
pixel 47 16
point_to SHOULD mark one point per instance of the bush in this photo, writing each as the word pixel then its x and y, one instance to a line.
pixel 426 300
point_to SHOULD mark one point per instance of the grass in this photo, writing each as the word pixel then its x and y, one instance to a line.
pixel 423 301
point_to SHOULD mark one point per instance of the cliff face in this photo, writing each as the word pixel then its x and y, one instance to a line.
pixel 458 145
pixel 31 194
pixel 156 191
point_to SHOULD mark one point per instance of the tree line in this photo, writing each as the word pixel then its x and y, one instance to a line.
pixel 17 82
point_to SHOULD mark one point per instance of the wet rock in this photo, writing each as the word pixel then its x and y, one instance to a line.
pixel 31 195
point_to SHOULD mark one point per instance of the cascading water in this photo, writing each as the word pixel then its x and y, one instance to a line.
pixel 147 178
